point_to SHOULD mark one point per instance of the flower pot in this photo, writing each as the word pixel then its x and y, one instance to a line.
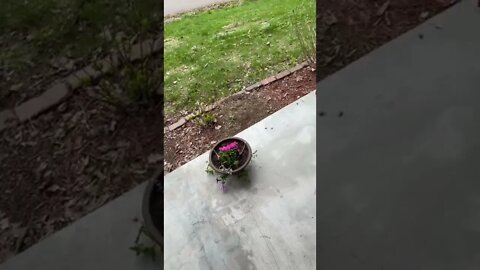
pixel 245 155
pixel 152 207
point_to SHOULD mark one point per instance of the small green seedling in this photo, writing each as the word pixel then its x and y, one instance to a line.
pixel 207 119
pixel 85 81
pixel 209 170
pixel 141 249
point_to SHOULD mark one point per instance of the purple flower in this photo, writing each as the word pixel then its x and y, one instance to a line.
pixel 222 186
pixel 228 147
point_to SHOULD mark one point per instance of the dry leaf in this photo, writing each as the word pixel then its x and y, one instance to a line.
pixel 84 163
pixel 78 143
pixel 16 87
pixel 53 188
pixel 330 19
pixel 123 144
pixel 103 148
pixel 154 158
pixel 424 15
pixel 113 125
pixel 47 174
pixel 112 155
pixel 59 133
pixel 383 8
pixel 71 202
pixel 42 167
pixel 62 107
pixel 69 65
pixel 75 118
pixel 4 224
pixel 59 62
pixel 99 175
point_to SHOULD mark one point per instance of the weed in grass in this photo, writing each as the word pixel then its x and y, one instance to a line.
pixel 138 89
pixel 139 85
pixel 131 86
pixel 306 36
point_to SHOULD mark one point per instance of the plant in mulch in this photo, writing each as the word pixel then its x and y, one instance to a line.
pixel 206 120
pixel 229 157
pixel 137 88
pixel 131 86
pixel 142 249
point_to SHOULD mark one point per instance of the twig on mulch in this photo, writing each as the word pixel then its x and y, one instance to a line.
pixel 383 8
pixel 21 239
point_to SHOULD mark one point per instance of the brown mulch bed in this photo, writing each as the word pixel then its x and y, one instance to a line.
pixel 234 115
pixel 348 29
pixel 68 162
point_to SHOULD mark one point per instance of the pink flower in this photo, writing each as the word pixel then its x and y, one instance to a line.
pixel 228 147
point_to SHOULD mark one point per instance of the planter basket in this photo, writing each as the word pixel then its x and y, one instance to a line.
pixel 153 231
pixel 245 155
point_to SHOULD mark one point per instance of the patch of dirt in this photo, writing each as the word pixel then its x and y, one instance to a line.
pixel 347 30
pixel 234 115
pixel 68 162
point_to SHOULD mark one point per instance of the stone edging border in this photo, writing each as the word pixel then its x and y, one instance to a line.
pixel 63 88
pixel 183 120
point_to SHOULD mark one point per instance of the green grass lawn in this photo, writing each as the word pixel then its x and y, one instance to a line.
pixel 34 31
pixel 216 53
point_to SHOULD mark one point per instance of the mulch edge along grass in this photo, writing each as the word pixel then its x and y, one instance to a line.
pixel 253 87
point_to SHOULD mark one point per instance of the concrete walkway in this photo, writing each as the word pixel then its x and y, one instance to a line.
pixel 99 241
pixel 398 174
pixel 172 7
pixel 267 222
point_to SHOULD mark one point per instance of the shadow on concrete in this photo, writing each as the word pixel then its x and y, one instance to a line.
pixel 243 181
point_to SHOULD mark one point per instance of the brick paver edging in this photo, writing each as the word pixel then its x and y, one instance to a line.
pixel 62 88
pixel 182 121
